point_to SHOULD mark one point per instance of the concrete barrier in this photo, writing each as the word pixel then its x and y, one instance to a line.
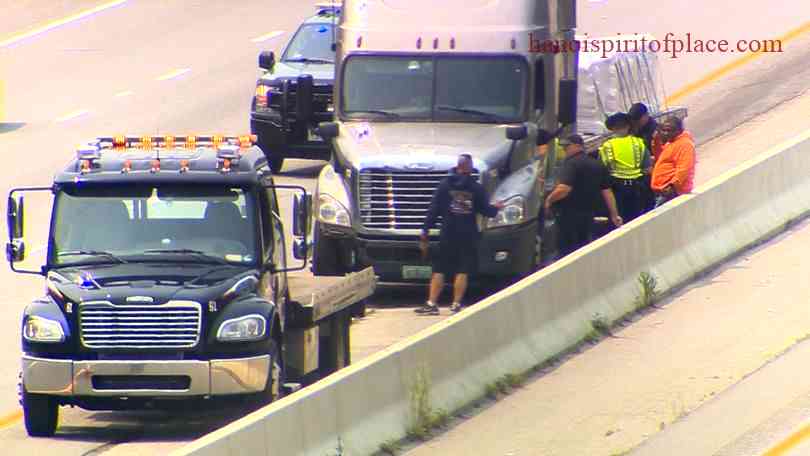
pixel 357 408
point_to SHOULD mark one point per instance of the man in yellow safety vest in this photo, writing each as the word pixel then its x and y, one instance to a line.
pixel 628 160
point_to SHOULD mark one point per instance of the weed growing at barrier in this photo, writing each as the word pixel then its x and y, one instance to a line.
pixel 390 447
pixel 423 417
pixel 600 324
pixel 649 290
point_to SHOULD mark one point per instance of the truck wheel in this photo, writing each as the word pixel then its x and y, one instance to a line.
pixel 276 162
pixel 275 381
pixel 41 414
pixel 359 309
pixel 325 255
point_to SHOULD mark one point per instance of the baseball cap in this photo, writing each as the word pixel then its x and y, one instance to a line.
pixel 572 139
pixel 616 120
pixel 637 110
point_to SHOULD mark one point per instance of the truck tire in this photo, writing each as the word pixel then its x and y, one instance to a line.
pixel 325 255
pixel 41 414
pixel 276 162
pixel 273 389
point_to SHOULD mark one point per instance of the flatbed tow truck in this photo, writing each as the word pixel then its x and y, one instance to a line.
pixel 167 283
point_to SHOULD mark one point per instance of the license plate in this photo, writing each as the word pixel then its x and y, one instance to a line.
pixel 416 272
pixel 311 136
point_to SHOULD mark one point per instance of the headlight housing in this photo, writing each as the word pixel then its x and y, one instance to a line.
pixel 261 98
pixel 243 329
pixel 332 212
pixel 38 329
pixel 513 213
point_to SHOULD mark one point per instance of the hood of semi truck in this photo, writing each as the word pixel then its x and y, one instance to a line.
pixel 421 145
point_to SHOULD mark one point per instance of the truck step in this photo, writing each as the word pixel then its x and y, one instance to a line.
pixel 290 388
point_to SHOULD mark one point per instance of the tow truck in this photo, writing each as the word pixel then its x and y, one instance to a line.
pixel 294 94
pixel 166 283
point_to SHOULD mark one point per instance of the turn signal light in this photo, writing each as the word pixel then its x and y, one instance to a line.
pixel 155 166
pixel 146 142
pixel 127 166
pixel 120 141
pixel 226 165
pixel 168 142
pixel 216 140
pixel 191 142
pixel 183 166
pixel 247 140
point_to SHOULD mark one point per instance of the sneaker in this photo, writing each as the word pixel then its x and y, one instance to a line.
pixel 456 307
pixel 427 309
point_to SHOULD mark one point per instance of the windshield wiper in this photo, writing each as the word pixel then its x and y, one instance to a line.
pixel 92 253
pixel 488 115
pixel 309 60
pixel 390 114
pixel 198 253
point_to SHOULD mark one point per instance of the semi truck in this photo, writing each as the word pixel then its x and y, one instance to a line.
pixel 416 84
pixel 167 285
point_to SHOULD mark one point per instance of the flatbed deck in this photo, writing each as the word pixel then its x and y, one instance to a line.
pixel 315 298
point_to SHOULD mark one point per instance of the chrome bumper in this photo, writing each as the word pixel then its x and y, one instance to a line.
pixel 206 378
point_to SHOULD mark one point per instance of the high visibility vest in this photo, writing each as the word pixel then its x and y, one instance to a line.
pixel 623 156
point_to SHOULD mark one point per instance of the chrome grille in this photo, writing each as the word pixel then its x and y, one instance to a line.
pixel 172 325
pixel 396 199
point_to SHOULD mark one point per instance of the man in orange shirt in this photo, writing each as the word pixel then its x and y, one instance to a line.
pixel 674 170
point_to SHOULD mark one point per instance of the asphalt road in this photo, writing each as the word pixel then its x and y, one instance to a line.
pixel 144 67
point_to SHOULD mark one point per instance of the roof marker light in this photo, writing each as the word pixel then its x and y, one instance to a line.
pixel 359 41
pixel 514 43
pixel 127 167
pixel 419 43
pixel 184 165
pixel 226 165
pixel 435 43
pixel 155 166
pixel 246 141
pixel 452 43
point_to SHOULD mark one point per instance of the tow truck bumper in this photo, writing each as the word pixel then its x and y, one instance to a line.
pixel 61 377
pixel 277 139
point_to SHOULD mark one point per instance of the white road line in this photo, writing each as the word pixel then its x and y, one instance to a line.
pixel 267 36
pixel 173 74
pixel 72 115
pixel 125 93
pixel 59 22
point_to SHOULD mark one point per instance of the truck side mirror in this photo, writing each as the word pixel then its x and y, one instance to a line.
pixel 516 133
pixel 15 251
pixel 567 109
pixel 267 59
pixel 302 208
pixel 327 130
pixel 14 218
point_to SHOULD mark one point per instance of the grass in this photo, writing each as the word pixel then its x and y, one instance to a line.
pixel 649 291
pixel 390 447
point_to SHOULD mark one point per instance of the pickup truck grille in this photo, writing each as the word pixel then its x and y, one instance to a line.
pixel 396 199
pixel 104 325
pixel 321 99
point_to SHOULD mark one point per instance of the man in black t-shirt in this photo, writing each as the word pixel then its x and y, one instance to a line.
pixel 582 179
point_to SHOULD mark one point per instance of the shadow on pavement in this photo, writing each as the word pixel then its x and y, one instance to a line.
pixel 6 127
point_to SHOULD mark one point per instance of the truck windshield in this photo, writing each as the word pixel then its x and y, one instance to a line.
pixel 490 89
pixel 193 223
pixel 312 43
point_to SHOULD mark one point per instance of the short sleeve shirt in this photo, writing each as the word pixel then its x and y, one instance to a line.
pixel 587 177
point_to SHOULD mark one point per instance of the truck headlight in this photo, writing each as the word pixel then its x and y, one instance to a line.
pixel 242 329
pixel 38 329
pixel 332 212
pixel 513 213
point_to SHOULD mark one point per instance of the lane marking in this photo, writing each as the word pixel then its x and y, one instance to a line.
pixel 723 70
pixel 125 93
pixel 790 442
pixel 173 74
pixel 59 22
pixel 11 419
pixel 72 115
pixel 267 36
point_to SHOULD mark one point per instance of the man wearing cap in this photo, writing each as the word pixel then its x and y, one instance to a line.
pixel 627 159
pixel 458 199
pixel 645 127
pixel 582 179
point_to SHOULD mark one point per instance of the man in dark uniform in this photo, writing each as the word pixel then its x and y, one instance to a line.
pixel 583 179
pixel 457 199
pixel 645 127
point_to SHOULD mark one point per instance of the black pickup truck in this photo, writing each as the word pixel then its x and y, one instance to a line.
pixel 294 93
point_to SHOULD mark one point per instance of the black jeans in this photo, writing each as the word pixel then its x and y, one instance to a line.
pixel 647 195
pixel 628 194
pixel 575 231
